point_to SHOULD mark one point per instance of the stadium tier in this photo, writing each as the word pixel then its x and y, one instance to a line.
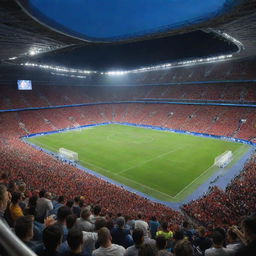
pixel 127 128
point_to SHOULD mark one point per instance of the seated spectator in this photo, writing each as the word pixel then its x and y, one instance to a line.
pixel 120 235
pixel 24 231
pixel 153 227
pixel 138 239
pixel 248 237
pixel 184 248
pixel 106 247
pixel 161 245
pixel 15 209
pixel 52 237
pixel 84 222
pixel 76 208
pixel 75 243
pixel 217 248
pixel 201 240
pixel 43 205
pixel 62 214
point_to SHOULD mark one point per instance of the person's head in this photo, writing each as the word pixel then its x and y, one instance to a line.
pixel 153 218
pixel 217 239
pixel 22 187
pixel 161 242
pixel 96 210
pixel 4 198
pixel 77 199
pixel 85 213
pixel 52 237
pixel 100 223
pixel 165 226
pixel 201 231
pixel 71 221
pixel 183 248
pixel 178 235
pixel 16 197
pixel 104 237
pixel 61 199
pixel 42 193
pixel 138 237
pixel 48 195
pixel 139 216
pixel 147 250
pixel 63 213
pixel 249 228
pixel 24 227
pixel 231 236
pixel 120 221
pixel 75 239
pixel 70 203
pixel 185 225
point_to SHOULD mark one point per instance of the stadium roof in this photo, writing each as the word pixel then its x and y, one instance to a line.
pixel 214 28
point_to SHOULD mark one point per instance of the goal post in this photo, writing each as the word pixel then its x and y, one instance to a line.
pixel 71 155
pixel 224 159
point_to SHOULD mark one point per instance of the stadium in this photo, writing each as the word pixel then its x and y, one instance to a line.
pixel 129 116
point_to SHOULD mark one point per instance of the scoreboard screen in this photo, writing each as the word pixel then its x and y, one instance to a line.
pixel 24 85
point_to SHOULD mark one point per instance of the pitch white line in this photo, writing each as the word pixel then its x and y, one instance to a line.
pixel 150 160
pixel 135 182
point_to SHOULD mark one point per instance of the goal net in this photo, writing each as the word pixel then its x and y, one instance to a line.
pixel 71 155
pixel 224 159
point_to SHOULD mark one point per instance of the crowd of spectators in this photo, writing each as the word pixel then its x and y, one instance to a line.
pixel 228 207
pixel 55 226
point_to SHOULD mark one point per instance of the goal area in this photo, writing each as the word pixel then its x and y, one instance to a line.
pixel 68 154
pixel 224 159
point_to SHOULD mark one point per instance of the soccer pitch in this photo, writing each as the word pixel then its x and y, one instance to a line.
pixel 164 165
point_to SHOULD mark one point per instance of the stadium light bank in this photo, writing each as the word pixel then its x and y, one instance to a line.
pixel 124 72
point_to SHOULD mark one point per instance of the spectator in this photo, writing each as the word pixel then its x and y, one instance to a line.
pixel 76 208
pixel 201 240
pixel 71 221
pixel 138 239
pixel 153 227
pixel 24 231
pixel 4 198
pixel 233 242
pixel 75 243
pixel 217 248
pixel 184 248
pixel 60 202
pixel 164 231
pixel 96 213
pixel 120 235
pixel 161 245
pixel 43 205
pixel 84 222
pixel 106 247
pixel 52 237
pixel 147 250
pixel 15 209
pixel 248 236
pixel 62 214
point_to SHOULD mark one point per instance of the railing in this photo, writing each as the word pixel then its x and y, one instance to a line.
pixel 12 244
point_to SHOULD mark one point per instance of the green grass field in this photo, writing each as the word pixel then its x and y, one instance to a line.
pixel 165 165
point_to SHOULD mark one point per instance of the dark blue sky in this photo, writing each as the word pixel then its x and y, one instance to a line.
pixel 109 19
